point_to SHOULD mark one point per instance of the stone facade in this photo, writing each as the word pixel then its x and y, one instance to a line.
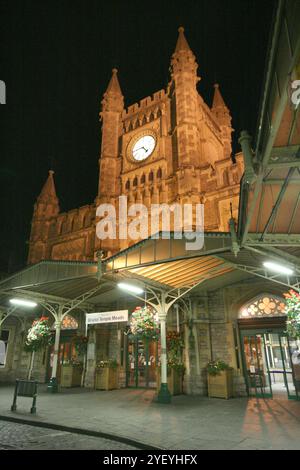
pixel 209 329
pixel 192 162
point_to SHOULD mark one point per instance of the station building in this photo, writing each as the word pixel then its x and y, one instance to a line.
pixel 174 148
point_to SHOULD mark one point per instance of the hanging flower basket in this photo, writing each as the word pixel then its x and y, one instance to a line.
pixel 143 324
pixel 292 311
pixel 39 335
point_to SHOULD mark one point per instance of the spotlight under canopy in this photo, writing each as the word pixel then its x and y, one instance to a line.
pixel 130 288
pixel 278 268
pixel 23 302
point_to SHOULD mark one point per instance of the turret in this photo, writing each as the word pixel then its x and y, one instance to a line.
pixel 186 114
pixel 46 208
pixel 47 204
pixel 110 115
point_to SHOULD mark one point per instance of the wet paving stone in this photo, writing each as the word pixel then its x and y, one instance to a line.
pixel 14 436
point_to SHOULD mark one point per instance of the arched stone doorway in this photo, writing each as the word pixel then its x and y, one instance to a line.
pixel 270 358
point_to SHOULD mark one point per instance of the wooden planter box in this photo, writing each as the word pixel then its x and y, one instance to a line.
pixel 70 375
pixel 106 378
pixel 220 385
pixel 175 380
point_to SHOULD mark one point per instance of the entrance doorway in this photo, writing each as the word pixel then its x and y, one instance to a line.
pixel 66 353
pixel 142 363
pixel 271 364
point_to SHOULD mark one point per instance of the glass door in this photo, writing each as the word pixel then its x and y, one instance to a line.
pixel 271 364
pixel 141 363
pixel 256 365
pixel 290 352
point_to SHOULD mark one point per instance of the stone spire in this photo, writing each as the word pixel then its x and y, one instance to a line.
pixel 182 44
pixel 183 59
pixel 48 193
pixel 223 117
pixel 113 99
pixel 218 102
pixel 46 209
pixel 47 203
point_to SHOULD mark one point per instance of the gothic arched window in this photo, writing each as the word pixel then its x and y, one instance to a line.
pixel 159 173
pixel 143 179
pixel 69 323
pixel 151 176
pixel 127 185
pixel 263 306
pixel 135 181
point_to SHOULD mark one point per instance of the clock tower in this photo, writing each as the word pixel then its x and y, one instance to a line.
pixel 170 147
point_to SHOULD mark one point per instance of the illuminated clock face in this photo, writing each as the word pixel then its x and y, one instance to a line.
pixel 143 148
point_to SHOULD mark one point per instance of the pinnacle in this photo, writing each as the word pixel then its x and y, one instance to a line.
pixel 48 190
pixel 182 44
pixel 114 86
pixel 218 99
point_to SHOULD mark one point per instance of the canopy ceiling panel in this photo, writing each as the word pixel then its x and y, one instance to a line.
pixel 286 218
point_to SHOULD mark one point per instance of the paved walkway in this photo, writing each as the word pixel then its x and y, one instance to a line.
pixel 15 436
pixel 190 422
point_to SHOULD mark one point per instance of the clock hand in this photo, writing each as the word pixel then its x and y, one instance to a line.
pixel 136 150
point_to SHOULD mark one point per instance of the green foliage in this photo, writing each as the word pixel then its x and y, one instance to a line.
pixel 215 367
pixel 80 343
pixel 39 335
pixel 111 363
pixel 143 323
pixel 175 345
pixel 292 299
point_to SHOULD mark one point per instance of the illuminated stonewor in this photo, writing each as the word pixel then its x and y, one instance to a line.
pixel 168 148
pixel 222 302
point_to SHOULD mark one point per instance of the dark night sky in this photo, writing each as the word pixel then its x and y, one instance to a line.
pixel 56 59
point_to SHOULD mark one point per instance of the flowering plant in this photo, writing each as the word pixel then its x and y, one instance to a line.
pixel 143 323
pixel 111 363
pixel 174 349
pixel 80 343
pixel 174 341
pixel 293 313
pixel 39 335
pixel 176 364
pixel 76 363
pixel 215 367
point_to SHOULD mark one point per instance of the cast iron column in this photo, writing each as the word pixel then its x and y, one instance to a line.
pixel 164 395
pixel 52 386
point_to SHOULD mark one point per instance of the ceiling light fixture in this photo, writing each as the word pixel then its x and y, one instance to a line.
pixel 130 288
pixel 278 268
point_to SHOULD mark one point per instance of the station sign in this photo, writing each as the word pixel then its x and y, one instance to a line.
pixel 107 317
